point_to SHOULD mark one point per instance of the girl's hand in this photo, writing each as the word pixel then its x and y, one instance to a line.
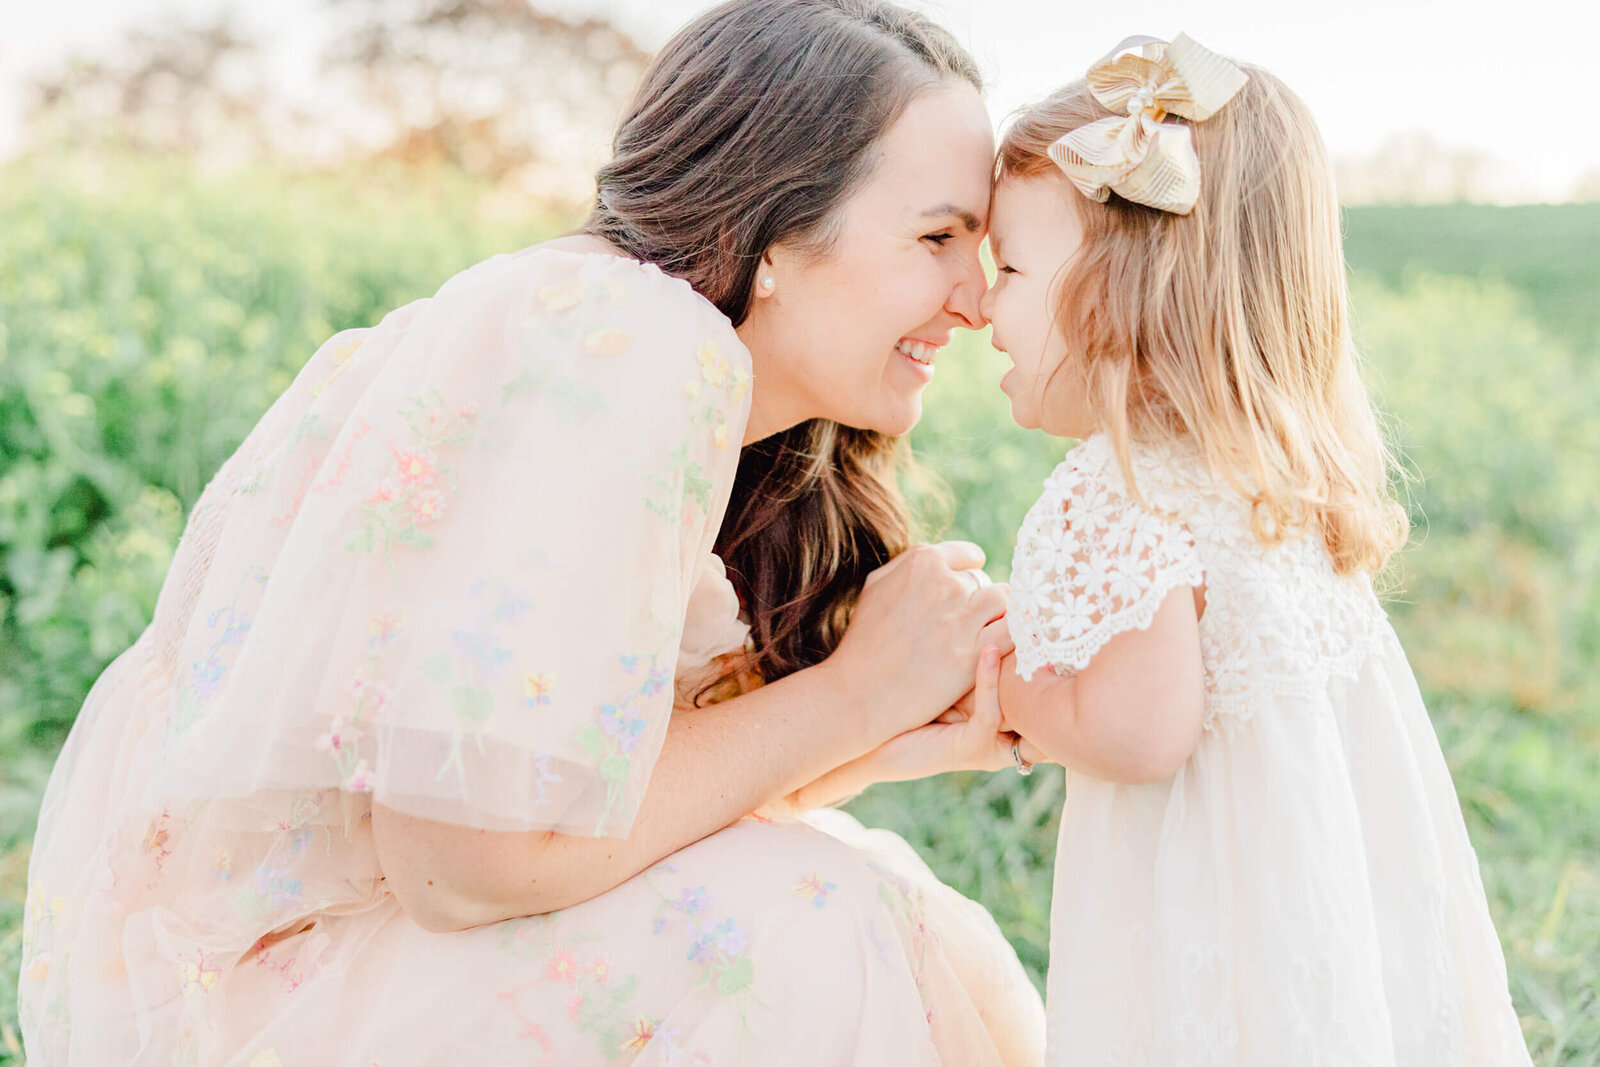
pixel 998 635
pixel 912 646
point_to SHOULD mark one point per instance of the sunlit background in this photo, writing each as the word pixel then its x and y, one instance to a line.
pixel 195 193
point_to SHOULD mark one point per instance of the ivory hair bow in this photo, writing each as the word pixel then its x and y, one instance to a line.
pixel 1134 153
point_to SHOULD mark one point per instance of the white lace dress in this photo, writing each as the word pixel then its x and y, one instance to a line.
pixel 1302 892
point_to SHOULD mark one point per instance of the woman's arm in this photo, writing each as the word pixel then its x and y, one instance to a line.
pixel 1133 715
pixel 910 651
pixel 716 765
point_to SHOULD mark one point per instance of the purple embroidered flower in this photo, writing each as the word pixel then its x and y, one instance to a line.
pixel 617 723
pixel 205 677
pixel 478 647
pixel 657 681
pixel 702 949
pixel 731 940
pixel 275 884
pixel 691 901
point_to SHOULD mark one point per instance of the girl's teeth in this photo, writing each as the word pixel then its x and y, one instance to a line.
pixel 917 350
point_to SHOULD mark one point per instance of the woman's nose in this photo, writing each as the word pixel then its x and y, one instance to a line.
pixel 966 298
pixel 986 304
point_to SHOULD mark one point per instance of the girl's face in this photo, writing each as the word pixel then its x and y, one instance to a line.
pixel 1034 231
pixel 853 336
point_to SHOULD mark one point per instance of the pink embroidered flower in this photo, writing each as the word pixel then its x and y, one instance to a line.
pixel 339 734
pixel 386 493
pixel 601 969
pixel 562 966
pixel 416 466
pixel 574 1006
pixel 427 506
pixel 362 779
pixel 467 411
pixel 606 341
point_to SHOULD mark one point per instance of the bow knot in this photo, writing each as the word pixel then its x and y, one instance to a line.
pixel 1140 157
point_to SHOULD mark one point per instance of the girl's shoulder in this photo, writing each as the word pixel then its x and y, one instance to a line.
pixel 1167 478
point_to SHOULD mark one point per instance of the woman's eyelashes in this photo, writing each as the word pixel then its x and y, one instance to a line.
pixel 939 238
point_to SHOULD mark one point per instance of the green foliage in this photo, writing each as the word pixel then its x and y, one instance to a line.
pixel 146 324
pixel 144 327
pixel 1546 252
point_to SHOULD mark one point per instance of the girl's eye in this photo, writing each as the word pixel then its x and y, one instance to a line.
pixel 1007 270
pixel 939 238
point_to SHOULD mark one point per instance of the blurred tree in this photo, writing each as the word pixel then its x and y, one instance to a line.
pixel 1414 168
pixel 195 90
pixel 495 87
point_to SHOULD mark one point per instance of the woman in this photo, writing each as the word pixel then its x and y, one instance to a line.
pixel 395 777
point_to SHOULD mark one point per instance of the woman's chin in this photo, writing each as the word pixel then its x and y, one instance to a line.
pixel 901 416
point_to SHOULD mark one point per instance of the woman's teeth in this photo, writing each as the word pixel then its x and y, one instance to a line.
pixel 922 353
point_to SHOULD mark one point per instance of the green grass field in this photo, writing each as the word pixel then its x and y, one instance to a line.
pixel 146 323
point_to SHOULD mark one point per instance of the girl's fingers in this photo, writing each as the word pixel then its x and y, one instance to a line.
pixel 986 690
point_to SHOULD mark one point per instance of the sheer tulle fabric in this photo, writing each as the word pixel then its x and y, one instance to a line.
pixel 447 575
pixel 1303 890
pixel 457 568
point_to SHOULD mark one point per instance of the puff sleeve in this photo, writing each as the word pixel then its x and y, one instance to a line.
pixel 456 572
pixel 1091 562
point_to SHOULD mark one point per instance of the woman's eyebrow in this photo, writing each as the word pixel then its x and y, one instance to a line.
pixel 968 219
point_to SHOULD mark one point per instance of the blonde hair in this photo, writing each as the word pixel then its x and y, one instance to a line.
pixel 1229 326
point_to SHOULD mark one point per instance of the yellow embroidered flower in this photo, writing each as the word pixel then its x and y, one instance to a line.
pixel 267 1057
pixel 199 974
pixel 536 689
pixel 606 341
pixel 39 969
pixel 713 365
pixel 563 296
pixel 643 1030
pixel 741 385
pixel 721 436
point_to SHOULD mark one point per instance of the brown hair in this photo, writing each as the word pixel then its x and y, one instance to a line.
pixel 752 126
pixel 1229 326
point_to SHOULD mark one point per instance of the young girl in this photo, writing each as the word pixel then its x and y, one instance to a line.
pixel 1262 860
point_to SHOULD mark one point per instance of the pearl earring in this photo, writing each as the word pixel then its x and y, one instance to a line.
pixel 769 283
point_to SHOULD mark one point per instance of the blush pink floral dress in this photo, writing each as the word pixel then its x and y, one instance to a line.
pixel 461 567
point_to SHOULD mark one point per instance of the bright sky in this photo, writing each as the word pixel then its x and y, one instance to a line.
pixel 1512 80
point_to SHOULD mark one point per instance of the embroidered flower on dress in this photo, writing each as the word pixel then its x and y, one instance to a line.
pixel 361 780
pixel 606 341
pixel 562 966
pixel 536 689
pixel 643 1031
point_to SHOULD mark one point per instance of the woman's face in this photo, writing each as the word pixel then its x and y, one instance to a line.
pixel 853 336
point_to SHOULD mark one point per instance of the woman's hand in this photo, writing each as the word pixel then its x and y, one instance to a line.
pixel 959 740
pixel 976 741
pixel 912 646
